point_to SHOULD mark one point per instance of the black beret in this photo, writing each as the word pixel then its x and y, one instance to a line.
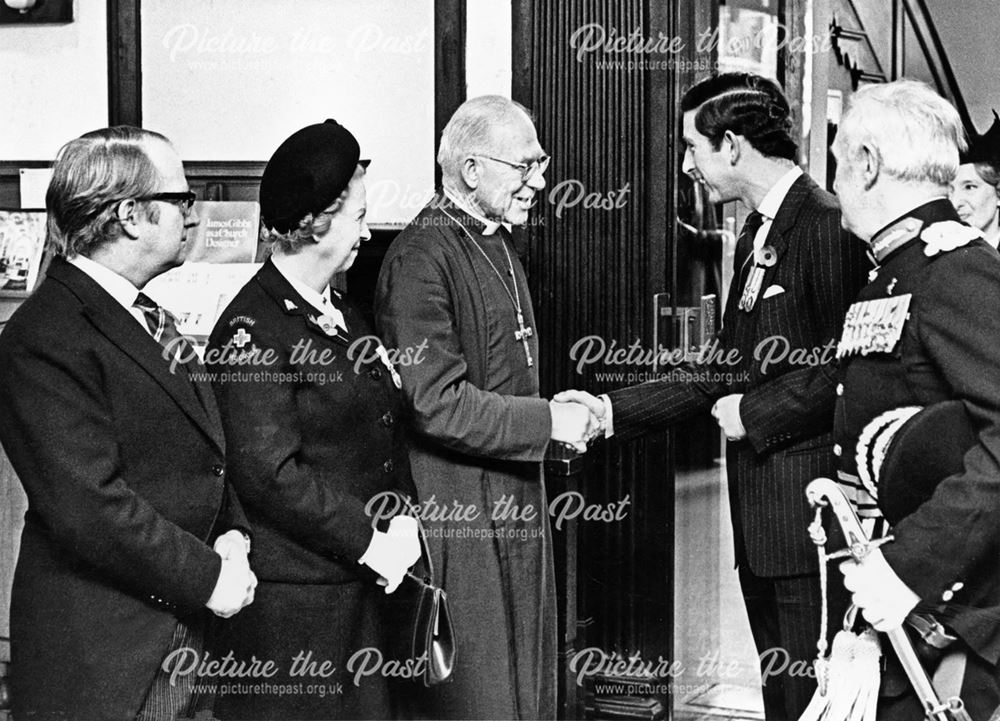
pixel 926 449
pixel 985 148
pixel 307 173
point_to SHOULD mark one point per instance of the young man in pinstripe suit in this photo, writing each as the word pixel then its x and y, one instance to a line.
pixel 796 271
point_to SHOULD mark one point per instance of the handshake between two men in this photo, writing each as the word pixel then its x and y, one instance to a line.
pixel 579 417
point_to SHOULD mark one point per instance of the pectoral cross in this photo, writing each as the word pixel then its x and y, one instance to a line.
pixel 522 334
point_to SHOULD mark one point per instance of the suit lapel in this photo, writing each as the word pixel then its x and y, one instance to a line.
pixel 114 323
pixel 781 232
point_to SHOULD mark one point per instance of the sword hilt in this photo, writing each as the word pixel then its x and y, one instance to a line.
pixel 828 493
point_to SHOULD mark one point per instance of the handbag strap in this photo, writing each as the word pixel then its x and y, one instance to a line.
pixel 424 548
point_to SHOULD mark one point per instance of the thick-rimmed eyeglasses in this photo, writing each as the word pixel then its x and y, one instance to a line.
pixel 184 201
pixel 527 169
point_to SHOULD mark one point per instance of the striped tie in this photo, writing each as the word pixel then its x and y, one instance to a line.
pixel 163 327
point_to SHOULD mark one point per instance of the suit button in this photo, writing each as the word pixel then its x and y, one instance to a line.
pixel 837 450
pixel 947 596
pixel 218 470
pixel 387 420
pixel 388 466
pixel 840 389
pixel 375 373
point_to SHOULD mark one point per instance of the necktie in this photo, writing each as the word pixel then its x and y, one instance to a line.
pixel 163 327
pixel 745 244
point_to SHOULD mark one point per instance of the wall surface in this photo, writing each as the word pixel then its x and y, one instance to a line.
pixel 54 83
pixel 248 73
pixel 488 47
pixel 969 31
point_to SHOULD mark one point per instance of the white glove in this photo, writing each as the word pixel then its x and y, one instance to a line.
pixel 883 598
pixel 393 553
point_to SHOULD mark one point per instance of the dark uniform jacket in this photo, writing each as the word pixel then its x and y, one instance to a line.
pixel 787 406
pixel 123 463
pixel 948 551
pixel 313 435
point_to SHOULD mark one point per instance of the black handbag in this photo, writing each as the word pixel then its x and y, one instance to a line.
pixel 419 620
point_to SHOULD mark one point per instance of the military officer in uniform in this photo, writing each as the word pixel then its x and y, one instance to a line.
pixel 311 407
pixel 924 330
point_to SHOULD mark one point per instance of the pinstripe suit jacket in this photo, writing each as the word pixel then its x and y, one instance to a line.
pixel 785 371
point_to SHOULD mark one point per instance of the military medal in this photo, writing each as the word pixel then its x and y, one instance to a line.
pixel 523 332
pixel 874 326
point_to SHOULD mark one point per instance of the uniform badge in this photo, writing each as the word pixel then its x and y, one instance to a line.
pixel 241 338
pixel 326 324
pixel 289 305
pixel 947 235
pixel 244 319
pixel 383 354
pixel 874 326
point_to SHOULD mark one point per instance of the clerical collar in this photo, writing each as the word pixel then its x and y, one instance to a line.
pixel 908 226
pixel 776 195
pixel 489 226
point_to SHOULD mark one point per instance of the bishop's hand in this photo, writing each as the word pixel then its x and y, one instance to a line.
pixel 573 423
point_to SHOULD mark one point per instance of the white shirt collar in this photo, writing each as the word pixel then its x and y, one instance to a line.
pixel 776 195
pixel 319 301
pixel 118 287
pixel 491 226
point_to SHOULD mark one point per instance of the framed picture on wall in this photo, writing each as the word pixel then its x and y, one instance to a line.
pixel 22 242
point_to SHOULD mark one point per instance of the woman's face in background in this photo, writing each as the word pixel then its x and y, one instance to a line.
pixel 975 200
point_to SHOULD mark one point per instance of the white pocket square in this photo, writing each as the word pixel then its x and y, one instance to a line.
pixel 773 291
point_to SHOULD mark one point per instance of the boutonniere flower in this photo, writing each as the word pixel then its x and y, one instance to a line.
pixel 947 235
pixel 767 256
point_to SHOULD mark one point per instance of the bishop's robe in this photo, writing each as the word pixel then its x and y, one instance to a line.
pixel 480 432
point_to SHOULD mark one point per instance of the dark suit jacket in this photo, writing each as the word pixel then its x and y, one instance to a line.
pixel 124 468
pixel 312 438
pixel 787 407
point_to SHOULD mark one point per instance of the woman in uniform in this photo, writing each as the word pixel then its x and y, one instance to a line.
pixel 975 192
pixel 311 408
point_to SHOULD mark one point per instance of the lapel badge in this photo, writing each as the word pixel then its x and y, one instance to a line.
pixel 325 323
pixel 289 305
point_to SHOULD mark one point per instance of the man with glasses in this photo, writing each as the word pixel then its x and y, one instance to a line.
pixel 132 530
pixel 452 283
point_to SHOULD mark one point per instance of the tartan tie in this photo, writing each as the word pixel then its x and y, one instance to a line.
pixel 163 327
